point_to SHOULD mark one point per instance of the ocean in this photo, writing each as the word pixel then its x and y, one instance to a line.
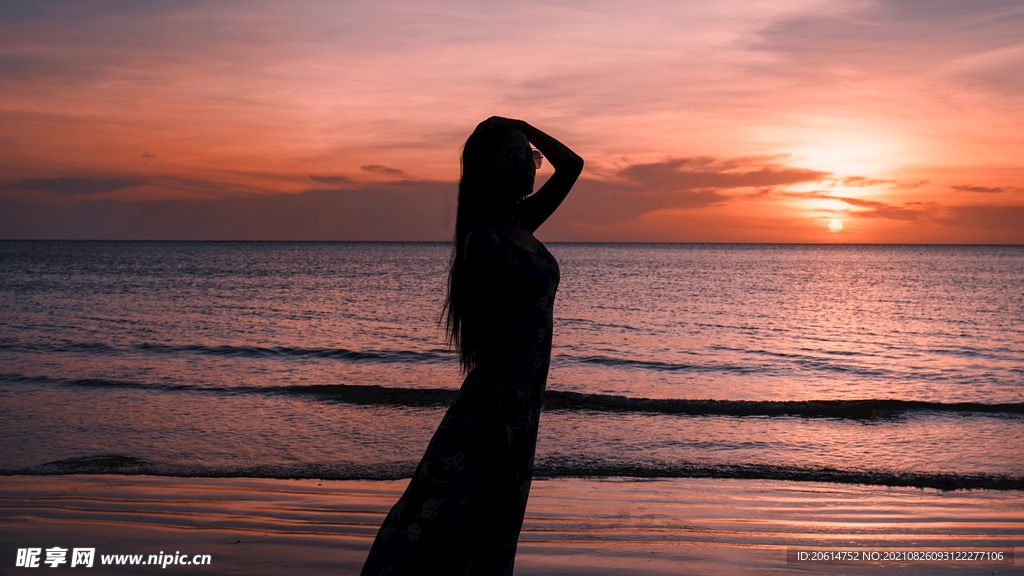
pixel 884 365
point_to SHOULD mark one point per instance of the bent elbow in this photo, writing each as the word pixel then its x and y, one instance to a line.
pixel 576 166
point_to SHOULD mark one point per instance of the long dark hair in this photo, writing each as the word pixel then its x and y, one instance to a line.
pixel 481 199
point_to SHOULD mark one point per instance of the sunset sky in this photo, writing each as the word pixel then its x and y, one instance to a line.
pixel 725 121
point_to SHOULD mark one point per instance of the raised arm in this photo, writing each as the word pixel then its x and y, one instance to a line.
pixel 533 211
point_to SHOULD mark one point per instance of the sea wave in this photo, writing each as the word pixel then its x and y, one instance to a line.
pixel 438 355
pixel 546 468
pixel 847 363
pixel 571 401
pixel 404 356
pixel 803 361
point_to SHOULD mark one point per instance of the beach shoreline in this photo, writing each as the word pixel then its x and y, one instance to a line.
pixel 573 525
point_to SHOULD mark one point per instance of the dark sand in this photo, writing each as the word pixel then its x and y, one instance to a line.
pixel 573 526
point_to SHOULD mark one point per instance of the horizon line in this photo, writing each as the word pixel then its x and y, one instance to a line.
pixel 268 241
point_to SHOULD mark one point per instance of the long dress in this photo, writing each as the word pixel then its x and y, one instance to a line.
pixel 464 506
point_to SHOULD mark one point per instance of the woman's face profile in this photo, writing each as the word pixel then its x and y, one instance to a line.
pixel 515 158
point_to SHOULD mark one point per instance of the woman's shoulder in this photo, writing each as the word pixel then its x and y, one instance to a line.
pixel 484 244
pixel 485 237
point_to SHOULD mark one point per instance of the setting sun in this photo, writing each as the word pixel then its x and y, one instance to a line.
pixel 835 226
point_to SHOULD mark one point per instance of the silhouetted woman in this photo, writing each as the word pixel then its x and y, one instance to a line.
pixel 464 506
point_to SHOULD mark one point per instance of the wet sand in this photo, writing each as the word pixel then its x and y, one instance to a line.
pixel 573 526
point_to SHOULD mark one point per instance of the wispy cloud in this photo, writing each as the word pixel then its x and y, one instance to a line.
pixel 865 182
pixel 988 189
pixel 331 179
pixel 910 211
pixel 74 186
pixel 710 173
pixel 377 169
